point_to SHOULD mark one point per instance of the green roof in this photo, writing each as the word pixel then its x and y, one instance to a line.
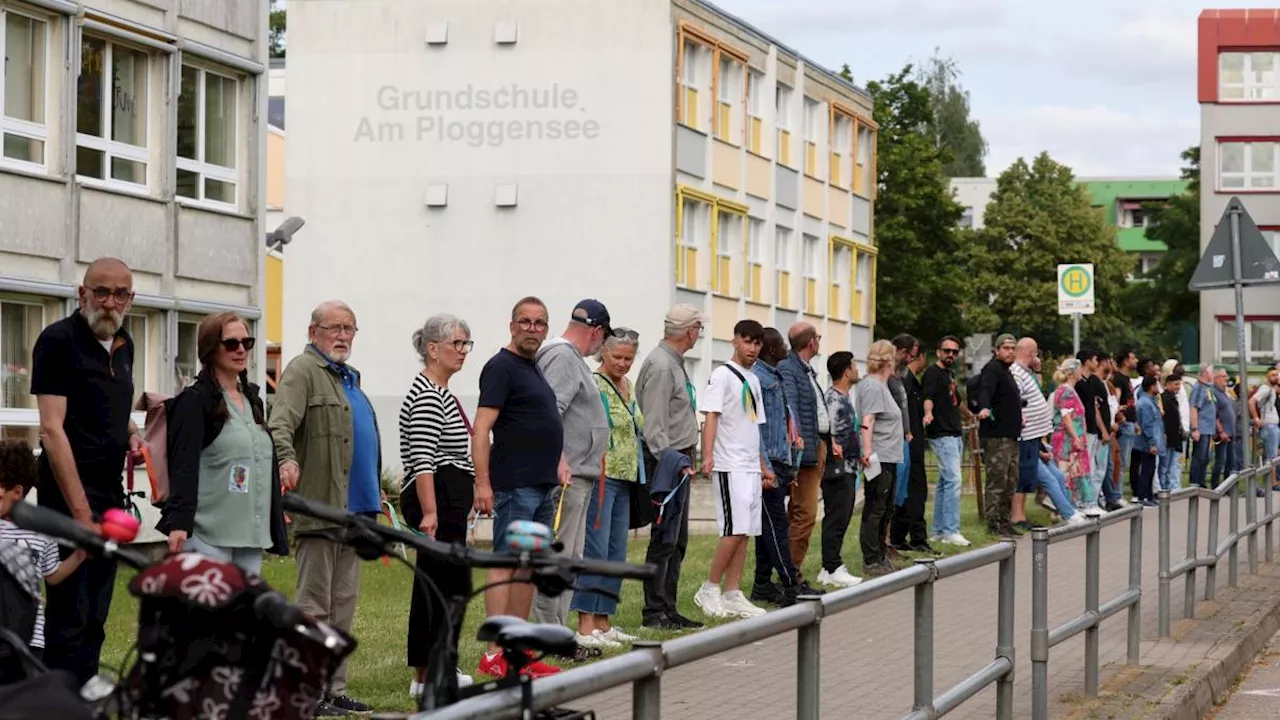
pixel 1104 193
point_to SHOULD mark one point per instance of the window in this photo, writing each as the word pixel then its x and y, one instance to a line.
pixel 840 290
pixel 864 181
pixel 751 280
pixel 24 46
pixel 809 256
pixel 1260 341
pixel 136 326
pixel 782 264
pixel 782 110
pixel 841 145
pixel 692 76
pixel 187 364
pixel 1248 165
pixel 811 129
pixel 966 218
pixel 755 111
pixel 20 325
pixel 862 288
pixel 207 136
pixel 693 233
pixel 1248 77
pixel 111 124
pixel 1272 234
pixel 728 236
pixel 728 97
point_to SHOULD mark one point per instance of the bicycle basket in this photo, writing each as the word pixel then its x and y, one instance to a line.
pixel 203 651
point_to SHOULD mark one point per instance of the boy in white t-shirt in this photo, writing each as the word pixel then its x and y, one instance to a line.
pixel 734 409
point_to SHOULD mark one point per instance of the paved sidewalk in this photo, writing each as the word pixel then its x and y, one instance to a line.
pixel 867 661
pixel 1258 694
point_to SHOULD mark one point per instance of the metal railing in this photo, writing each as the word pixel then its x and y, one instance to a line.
pixel 644 667
pixel 1043 639
pixel 1230 490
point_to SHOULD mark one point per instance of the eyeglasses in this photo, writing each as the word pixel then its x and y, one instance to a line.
pixel 232 344
pixel 339 329
pixel 535 325
pixel 463 346
pixel 120 295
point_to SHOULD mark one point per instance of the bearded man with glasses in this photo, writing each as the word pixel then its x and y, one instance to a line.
pixel 942 427
pixel 329 450
pixel 82 377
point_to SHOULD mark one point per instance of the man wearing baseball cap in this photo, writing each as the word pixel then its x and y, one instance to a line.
pixel 1000 413
pixel 586 431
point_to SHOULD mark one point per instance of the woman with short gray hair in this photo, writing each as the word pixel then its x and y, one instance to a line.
pixel 439 479
pixel 609 511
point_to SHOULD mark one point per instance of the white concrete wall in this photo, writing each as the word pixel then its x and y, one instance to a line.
pixel 594 214
pixel 974 193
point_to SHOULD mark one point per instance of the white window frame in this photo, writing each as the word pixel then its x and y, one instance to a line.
pixel 1250 91
pixel 809 262
pixel 25 128
pixel 112 148
pixel 755 243
pixel 755 88
pixel 141 360
pixel 1246 176
pixel 782 255
pixel 812 120
pixel 205 170
pixel 1255 356
pixel 782 107
pixel 728 81
pixel 844 131
pixel 1273 239
pixel 693 53
pixel 193 320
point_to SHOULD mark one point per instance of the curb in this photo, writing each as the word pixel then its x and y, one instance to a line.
pixel 1217 673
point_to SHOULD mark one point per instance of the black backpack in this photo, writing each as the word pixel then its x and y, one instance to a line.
pixel 971 390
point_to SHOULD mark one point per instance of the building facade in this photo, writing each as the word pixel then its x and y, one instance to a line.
pixel 643 153
pixel 1238 84
pixel 1126 203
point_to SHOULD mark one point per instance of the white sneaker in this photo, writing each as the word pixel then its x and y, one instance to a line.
pixel 736 604
pixel 709 601
pixel 596 641
pixel 464 680
pixel 618 636
pixel 956 539
pixel 1093 511
pixel 840 577
pixel 1077 519
pixel 416 688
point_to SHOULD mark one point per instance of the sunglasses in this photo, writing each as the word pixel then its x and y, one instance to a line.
pixel 949 351
pixel 625 333
pixel 233 344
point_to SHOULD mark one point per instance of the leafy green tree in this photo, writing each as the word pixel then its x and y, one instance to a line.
pixel 1037 218
pixel 919 284
pixel 952 127
pixel 276 30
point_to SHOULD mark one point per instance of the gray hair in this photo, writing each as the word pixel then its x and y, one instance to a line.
pixel 317 315
pixel 629 337
pixel 438 328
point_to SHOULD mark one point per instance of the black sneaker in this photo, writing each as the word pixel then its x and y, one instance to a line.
pixel 661 622
pixel 342 702
pixel 583 654
pixel 805 588
pixel 679 619
pixel 1012 530
pixel 1022 525
pixel 1113 506
pixel 924 547
pixel 767 593
pixel 327 709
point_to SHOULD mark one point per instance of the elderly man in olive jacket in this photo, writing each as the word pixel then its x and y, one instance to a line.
pixel 326 438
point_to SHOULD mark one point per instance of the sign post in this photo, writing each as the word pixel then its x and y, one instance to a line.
pixel 1075 295
pixel 1237 255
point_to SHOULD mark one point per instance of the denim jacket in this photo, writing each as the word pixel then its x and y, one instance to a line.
pixel 1152 426
pixel 777 412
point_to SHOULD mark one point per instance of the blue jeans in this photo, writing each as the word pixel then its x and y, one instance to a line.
pixel 1200 459
pixel 607 542
pixel 1224 462
pixel 526 503
pixel 946 502
pixel 903 476
pixel 773 549
pixel 1054 483
pixel 247 559
pixel 1100 470
pixel 1170 469
pixel 1125 436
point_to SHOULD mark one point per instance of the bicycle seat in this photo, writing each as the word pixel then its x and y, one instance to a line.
pixel 491 628
pixel 512 633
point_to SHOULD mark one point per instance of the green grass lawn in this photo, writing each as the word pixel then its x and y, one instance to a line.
pixel 378 673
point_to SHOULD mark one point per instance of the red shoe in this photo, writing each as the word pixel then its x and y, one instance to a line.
pixel 537 669
pixel 493 665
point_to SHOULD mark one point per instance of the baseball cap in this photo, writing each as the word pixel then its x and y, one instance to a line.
pixel 682 316
pixel 592 313
pixel 1005 339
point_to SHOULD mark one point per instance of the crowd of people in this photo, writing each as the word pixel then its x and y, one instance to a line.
pixel 563 437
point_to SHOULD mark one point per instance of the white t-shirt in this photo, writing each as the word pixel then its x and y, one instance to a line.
pixel 737 446
pixel 1266 399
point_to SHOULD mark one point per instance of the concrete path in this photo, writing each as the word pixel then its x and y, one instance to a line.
pixel 1258 694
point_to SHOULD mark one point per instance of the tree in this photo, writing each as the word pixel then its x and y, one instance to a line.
pixel 1161 305
pixel 919 284
pixel 952 128
pixel 275 38
pixel 1037 218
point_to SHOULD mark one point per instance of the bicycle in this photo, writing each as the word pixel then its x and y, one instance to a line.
pixel 521 642
pixel 211 640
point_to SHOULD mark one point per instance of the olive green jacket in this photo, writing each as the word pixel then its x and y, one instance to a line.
pixel 311 425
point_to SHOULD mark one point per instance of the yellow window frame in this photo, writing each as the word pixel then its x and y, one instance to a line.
pixel 868 294
pixel 833 293
pixel 859 186
pixel 687 256
pixel 687 98
pixel 836 161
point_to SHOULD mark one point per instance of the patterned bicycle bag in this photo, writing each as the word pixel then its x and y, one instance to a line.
pixel 203 652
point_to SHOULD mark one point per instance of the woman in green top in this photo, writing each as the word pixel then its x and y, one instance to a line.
pixel 224 499
pixel 609 514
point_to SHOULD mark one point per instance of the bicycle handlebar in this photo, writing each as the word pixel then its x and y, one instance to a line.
pixel 461 554
pixel 61 527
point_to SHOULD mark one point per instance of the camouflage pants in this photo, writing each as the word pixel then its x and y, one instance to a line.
pixel 1000 456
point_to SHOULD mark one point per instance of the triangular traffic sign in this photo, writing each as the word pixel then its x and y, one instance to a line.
pixel 1258 263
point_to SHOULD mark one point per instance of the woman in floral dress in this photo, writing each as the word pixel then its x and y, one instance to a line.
pixel 1068 436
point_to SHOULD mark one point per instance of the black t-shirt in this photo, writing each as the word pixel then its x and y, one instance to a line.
pixel 528 435
pixel 1125 386
pixel 998 392
pixel 69 361
pixel 915 408
pixel 940 387
pixel 1094 394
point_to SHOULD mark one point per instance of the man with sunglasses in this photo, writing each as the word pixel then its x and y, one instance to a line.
pixel 327 443
pixel 563 363
pixel 82 377
pixel 942 427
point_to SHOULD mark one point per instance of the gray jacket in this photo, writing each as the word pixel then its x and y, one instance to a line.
pixel 667 400
pixel 586 427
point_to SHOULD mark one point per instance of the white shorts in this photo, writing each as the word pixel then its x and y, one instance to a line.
pixel 738 502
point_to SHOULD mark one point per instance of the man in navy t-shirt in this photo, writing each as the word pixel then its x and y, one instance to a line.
pixel 518 471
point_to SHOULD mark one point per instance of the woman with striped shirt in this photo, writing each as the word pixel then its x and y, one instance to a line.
pixel 439 480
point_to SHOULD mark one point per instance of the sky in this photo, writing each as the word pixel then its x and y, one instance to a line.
pixel 1105 87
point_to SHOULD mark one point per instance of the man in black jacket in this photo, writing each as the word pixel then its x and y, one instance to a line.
pixel 909 530
pixel 1000 413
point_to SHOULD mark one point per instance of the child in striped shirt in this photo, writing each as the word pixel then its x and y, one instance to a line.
pixel 17 477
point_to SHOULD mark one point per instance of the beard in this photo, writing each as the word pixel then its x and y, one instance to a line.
pixel 104 323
